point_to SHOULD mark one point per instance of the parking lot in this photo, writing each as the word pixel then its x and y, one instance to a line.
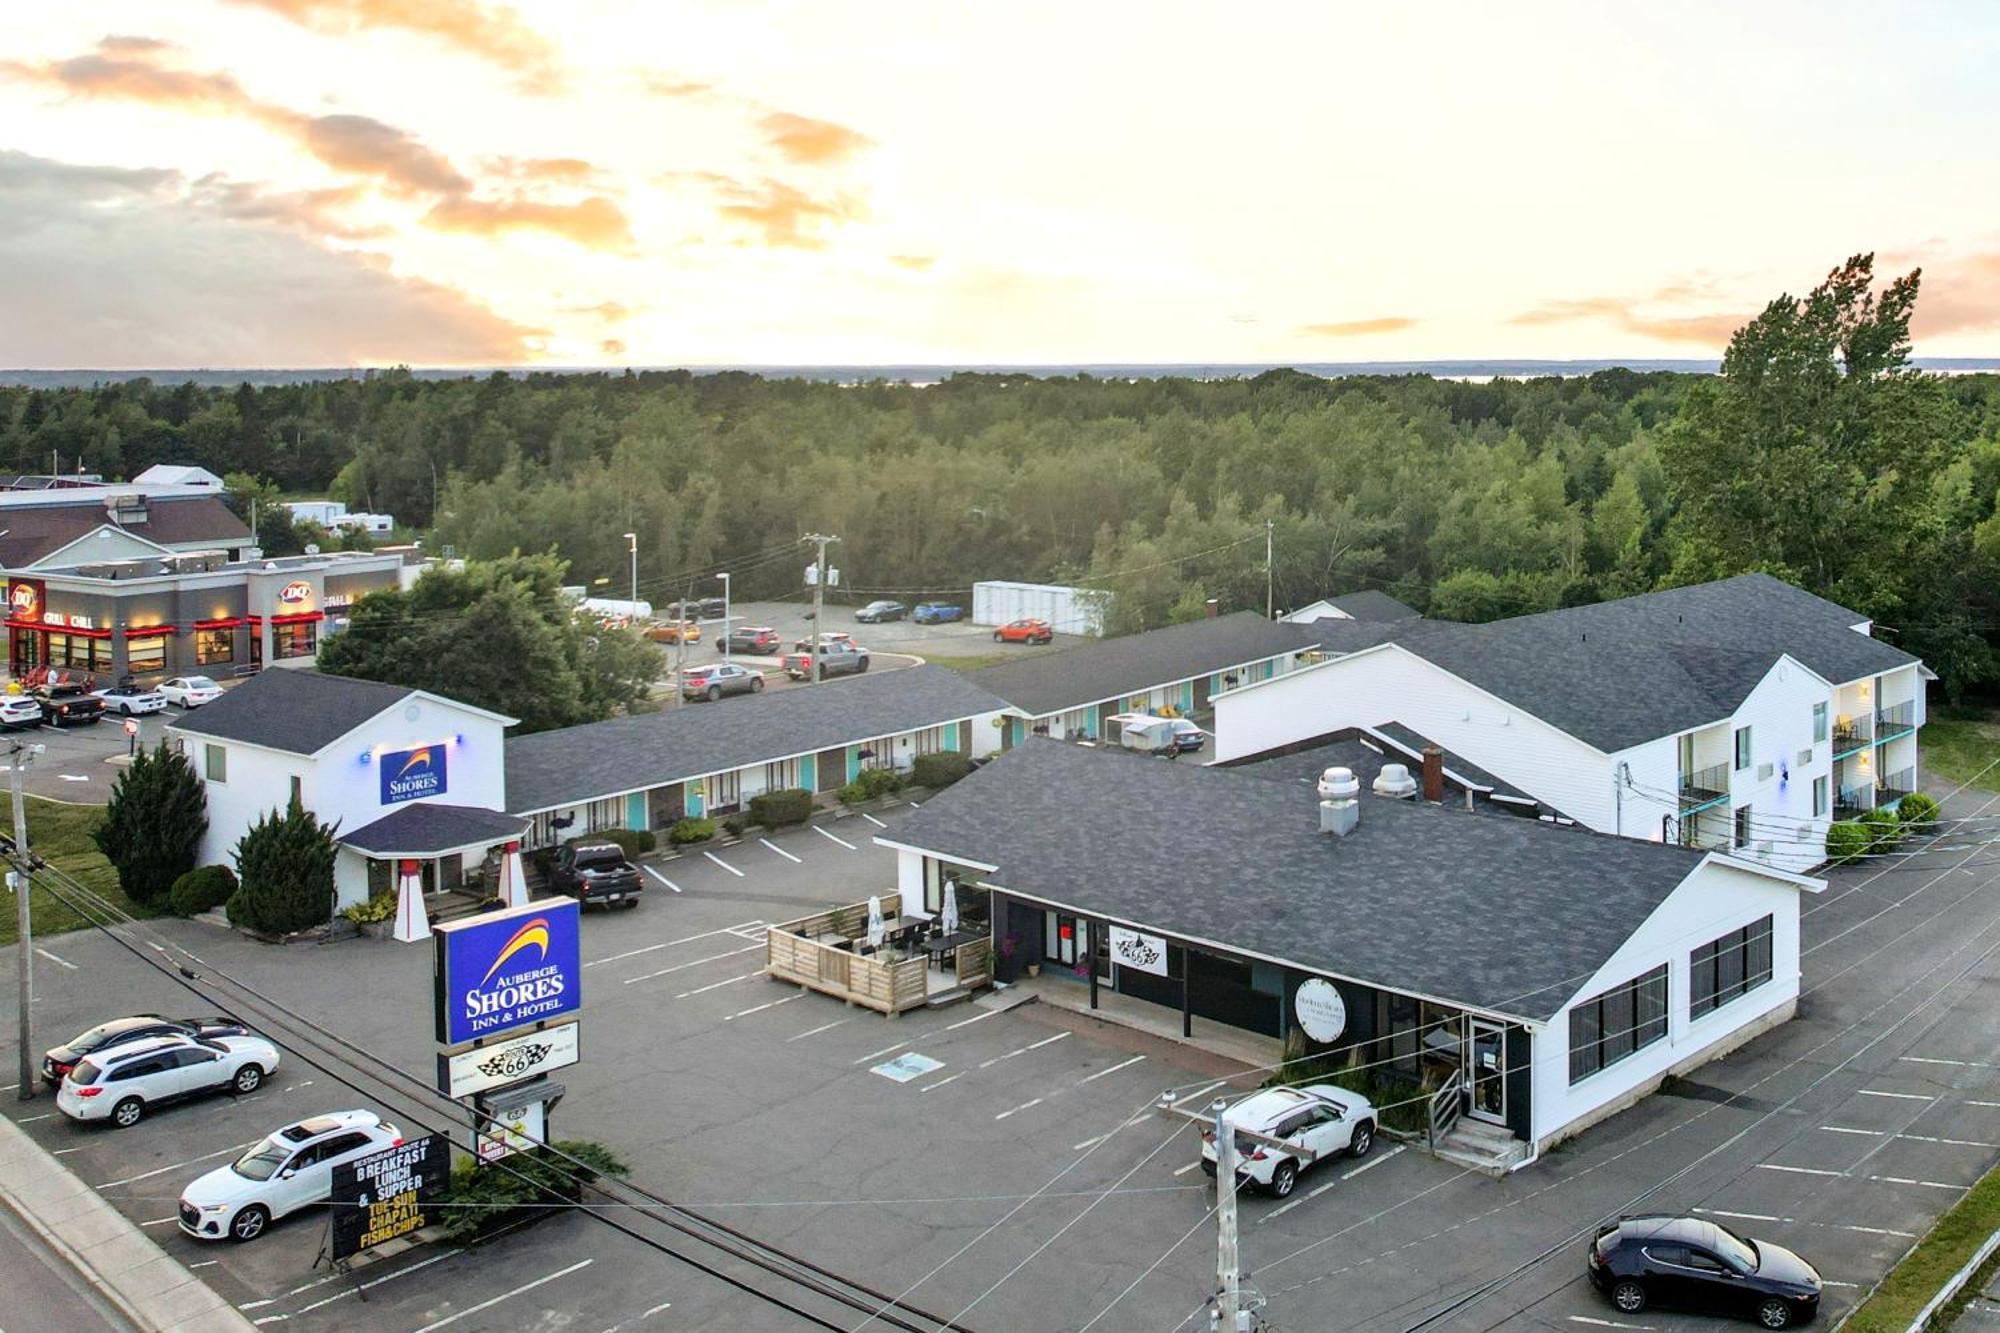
pixel 76 763
pixel 1025 1180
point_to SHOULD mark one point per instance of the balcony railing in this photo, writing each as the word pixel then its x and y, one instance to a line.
pixel 1895 720
pixel 1852 734
pixel 1853 802
pixel 1704 787
pixel 1896 786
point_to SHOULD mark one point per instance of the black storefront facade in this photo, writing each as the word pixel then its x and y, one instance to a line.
pixel 1405 1039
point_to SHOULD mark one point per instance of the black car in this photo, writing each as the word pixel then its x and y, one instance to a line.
pixel 596 872
pixel 59 1060
pixel 1692 1264
pixel 68 704
pixel 876 612
pixel 713 608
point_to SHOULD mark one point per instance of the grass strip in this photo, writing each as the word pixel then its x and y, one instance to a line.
pixel 1929 1264
pixel 59 833
pixel 1955 745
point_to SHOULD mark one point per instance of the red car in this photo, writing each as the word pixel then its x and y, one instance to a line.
pixel 1024 631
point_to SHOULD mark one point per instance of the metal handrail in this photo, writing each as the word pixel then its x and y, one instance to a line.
pixel 1705 784
pixel 1854 732
pixel 1896 717
pixel 1446 1104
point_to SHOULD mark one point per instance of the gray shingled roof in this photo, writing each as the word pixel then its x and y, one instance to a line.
pixel 1134 663
pixel 1371 604
pixel 576 764
pixel 428 828
pixel 300 712
pixel 1226 856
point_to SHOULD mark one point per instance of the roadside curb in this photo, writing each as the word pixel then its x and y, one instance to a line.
pixel 146 1285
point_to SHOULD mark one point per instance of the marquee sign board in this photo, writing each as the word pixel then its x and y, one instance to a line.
pixel 501 971
pixel 509 1060
pixel 1139 951
pixel 1320 1010
pixel 389 1194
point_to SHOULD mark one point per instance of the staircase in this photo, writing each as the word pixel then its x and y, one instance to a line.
pixel 455 904
pixel 1483 1147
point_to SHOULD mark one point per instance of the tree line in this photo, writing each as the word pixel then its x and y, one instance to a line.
pixel 1817 454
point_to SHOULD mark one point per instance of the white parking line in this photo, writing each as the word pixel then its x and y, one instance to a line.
pixel 1962 1064
pixel 1023 1050
pixel 1956 1143
pixel 1002 1116
pixel 64 1152
pixel 933 1087
pixel 831 838
pixel 876 1055
pixel 694 962
pixel 716 985
pixel 1798 1170
pixel 663 944
pixel 59 962
pixel 871 819
pixel 1741 1217
pixel 206 1263
pixel 1185 1169
pixel 509 1295
pixel 1793 1221
pixel 1369 1166
pixel 664 880
pixel 966 1022
pixel 1114 1069
pixel 1983 1103
pixel 160 1222
pixel 1900 1096
pixel 110 1184
pixel 1841 1129
pixel 1905 1180
pixel 780 851
pixel 758 1009
pixel 31 1119
pixel 1606 1323
pixel 814 1032
pixel 349 1291
pixel 724 864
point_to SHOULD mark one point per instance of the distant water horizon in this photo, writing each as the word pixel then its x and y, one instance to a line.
pixel 917 373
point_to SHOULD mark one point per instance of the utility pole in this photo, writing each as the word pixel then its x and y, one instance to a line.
pixel 819 604
pixel 632 540
pixel 1228 1276
pixel 24 947
pixel 1269 604
pixel 681 645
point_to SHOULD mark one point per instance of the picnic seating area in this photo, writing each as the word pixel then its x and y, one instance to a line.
pixel 902 963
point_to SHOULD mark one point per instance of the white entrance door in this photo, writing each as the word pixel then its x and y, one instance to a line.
pixel 1488 1074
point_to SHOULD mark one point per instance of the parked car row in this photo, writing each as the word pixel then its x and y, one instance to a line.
pixel 704 608
pixel 65 701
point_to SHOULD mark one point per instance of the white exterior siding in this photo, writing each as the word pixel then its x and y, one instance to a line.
pixel 1714 900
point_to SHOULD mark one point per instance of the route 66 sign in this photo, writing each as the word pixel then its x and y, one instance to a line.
pixel 522 1056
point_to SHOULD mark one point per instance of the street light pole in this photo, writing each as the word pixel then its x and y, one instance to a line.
pixel 816 675
pixel 725 615
pixel 632 539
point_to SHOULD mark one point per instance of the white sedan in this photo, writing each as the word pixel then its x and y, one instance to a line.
pixel 122 1085
pixel 290 1170
pixel 191 691
pixel 131 700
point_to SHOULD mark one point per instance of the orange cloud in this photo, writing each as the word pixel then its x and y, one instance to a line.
pixel 124 44
pixel 1354 328
pixel 595 222
pixel 811 142
pixel 1709 330
pixel 1958 293
pixel 611 347
pixel 315 212
pixel 611 312
pixel 553 170
pixel 493 33
pixel 786 215
pixel 661 85
pixel 136 80
pixel 914 263
pixel 363 146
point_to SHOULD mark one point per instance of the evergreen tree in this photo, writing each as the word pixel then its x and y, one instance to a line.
pixel 152 828
pixel 285 863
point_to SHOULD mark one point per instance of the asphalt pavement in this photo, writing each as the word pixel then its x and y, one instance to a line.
pixel 43 1292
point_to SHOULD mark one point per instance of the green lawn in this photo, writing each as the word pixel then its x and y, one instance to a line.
pixel 60 835
pixel 1923 1272
pixel 1957 746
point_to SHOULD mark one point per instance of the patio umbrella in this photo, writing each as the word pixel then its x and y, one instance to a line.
pixel 950 913
pixel 875 926
pixel 513 878
pixel 413 922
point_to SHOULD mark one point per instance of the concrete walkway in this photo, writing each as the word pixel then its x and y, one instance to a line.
pixel 145 1285
pixel 1245 1048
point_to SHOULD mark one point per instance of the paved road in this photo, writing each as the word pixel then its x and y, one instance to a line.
pixel 42 1292
pixel 1982 1312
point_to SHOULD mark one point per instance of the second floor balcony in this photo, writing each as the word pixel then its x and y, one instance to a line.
pixel 1704 787
pixel 1895 720
pixel 1851 734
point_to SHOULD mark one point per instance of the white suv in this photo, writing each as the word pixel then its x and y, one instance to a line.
pixel 121 1085
pixel 1324 1119
pixel 290 1170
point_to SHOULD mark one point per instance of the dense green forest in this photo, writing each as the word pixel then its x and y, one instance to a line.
pixel 1817 454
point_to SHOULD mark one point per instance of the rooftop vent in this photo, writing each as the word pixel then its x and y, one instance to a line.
pixel 1394 781
pixel 1338 813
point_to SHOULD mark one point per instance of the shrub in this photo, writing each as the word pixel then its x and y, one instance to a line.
pixel 201 889
pixel 1884 830
pixel 1918 812
pixel 286 862
pixel 483 1198
pixel 691 829
pixel 153 824
pixel 379 908
pixel 734 825
pixel 635 843
pixel 939 770
pixel 780 809
pixel 1845 840
pixel 852 793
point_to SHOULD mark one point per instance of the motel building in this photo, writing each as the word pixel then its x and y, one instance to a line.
pixel 402 774
pixel 1209 902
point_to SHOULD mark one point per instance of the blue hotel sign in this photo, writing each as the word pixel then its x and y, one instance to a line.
pixel 506 970
pixel 411 775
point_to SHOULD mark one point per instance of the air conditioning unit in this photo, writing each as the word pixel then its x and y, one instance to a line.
pixel 1764 772
pixel 1762 848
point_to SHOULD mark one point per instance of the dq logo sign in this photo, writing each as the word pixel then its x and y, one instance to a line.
pixel 25 600
pixel 411 775
pixel 506 970
pixel 296 593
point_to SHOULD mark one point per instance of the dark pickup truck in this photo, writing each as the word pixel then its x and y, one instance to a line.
pixel 68 704
pixel 596 872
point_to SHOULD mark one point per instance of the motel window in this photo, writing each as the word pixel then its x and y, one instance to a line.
pixel 214 646
pixel 1819 723
pixel 1619 1023
pixel 725 792
pixel 1745 828
pixel 147 654
pixel 1725 968
pixel 300 639
pixel 1742 748
pixel 782 775
pixel 1820 786
pixel 215 763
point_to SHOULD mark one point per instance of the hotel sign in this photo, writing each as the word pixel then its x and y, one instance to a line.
pixel 509 1060
pixel 413 774
pixel 505 970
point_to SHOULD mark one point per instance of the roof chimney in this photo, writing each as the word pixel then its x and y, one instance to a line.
pixel 1338 812
pixel 1213 606
pixel 1433 774
pixel 1395 782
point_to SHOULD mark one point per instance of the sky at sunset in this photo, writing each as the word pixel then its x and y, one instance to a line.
pixel 703 182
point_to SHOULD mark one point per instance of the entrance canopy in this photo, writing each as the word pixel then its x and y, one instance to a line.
pixel 431 829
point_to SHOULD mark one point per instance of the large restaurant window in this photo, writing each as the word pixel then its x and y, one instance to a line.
pixel 146 654
pixel 1725 968
pixel 213 646
pixel 296 639
pixel 80 651
pixel 1619 1023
